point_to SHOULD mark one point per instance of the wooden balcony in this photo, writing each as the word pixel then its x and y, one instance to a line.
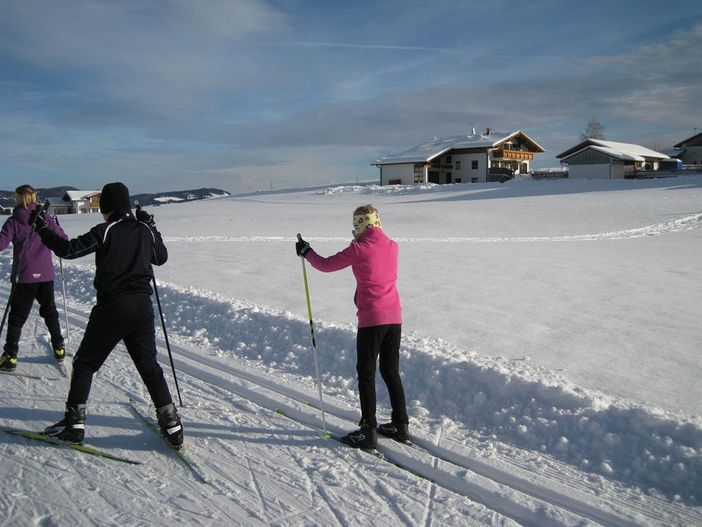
pixel 512 154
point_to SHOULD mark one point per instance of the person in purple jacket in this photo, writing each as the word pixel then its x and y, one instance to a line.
pixel 373 259
pixel 32 277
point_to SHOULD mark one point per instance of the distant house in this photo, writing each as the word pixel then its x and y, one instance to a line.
pixel 75 202
pixel 475 158
pixel 689 151
pixel 598 159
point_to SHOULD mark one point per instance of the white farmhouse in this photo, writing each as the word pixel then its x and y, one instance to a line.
pixel 76 202
pixel 598 159
pixel 475 158
pixel 689 151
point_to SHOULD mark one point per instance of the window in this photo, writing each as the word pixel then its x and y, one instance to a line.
pixel 395 182
pixel 474 164
pixel 448 160
pixel 474 180
pixel 458 165
pixel 459 180
pixel 419 174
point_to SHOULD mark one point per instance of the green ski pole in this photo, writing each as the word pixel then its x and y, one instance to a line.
pixel 314 344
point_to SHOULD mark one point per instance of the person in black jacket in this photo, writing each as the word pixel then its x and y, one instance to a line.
pixel 125 247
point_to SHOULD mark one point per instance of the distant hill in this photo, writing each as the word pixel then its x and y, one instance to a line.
pixel 7 197
pixel 178 196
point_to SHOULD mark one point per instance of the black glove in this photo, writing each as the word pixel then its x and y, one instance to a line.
pixel 302 247
pixel 37 220
pixel 145 217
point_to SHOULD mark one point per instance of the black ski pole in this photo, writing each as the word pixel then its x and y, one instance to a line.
pixel 65 309
pixel 7 306
pixel 163 322
pixel 165 336
pixel 15 279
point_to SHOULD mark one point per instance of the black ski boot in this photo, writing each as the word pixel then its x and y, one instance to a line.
pixel 8 362
pixel 171 427
pixel 71 428
pixel 365 437
pixel 396 431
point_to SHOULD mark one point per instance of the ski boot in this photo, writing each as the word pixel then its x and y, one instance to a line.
pixel 8 362
pixel 59 354
pixel 71 428
pixel 171 427
pixel 365 437
pixel 396 431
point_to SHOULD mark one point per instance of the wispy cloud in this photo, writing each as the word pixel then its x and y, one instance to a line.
pixel 380 47
pixel 233 88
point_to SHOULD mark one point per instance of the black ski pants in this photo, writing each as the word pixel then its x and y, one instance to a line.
pixel 129 318
pixel 380 342
pixel 23 296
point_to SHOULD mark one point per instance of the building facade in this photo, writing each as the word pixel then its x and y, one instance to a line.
pixel 475 158
pixel 75 202
pixel 689 151
pixel 598 159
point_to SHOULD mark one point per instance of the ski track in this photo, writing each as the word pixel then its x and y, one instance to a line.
pixel 198 366
pixel 690 222
pixel 264 391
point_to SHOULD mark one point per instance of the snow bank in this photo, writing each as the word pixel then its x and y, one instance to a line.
pixel 496 399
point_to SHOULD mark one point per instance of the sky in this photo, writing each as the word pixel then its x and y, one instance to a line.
pixel 244 95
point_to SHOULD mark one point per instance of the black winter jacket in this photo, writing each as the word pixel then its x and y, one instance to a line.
pixel 124 251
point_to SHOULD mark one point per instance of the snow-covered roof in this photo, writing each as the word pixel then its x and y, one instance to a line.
pixel 695 140
pixel 623 151
pixel 78 195
pixel 427 151
pixel 56 199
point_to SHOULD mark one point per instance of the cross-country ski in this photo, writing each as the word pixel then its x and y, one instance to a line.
pixel 86 449
pixel 182 453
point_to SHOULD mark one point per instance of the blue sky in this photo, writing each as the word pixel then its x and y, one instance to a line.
pixel 245 95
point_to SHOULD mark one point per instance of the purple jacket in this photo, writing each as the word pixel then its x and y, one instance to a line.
pixel 36 264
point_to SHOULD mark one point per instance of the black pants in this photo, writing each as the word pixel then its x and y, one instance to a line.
pixel 128 318
pixel 23 296
pixel 383 342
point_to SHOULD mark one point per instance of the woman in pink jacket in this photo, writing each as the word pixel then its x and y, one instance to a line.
pixel 373 260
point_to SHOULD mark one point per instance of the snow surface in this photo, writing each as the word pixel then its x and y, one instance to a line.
pixel 550 359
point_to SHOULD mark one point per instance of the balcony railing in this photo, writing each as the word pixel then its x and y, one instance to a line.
pixel 512 154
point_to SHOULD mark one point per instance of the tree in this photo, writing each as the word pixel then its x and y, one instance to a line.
pixel 594 130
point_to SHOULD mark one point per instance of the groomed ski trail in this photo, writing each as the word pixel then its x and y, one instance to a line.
pixel 499 486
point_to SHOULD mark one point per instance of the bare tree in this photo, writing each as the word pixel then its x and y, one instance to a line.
pixel 658 145
pixel 595 130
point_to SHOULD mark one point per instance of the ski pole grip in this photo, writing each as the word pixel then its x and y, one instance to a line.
pixel 299 237
pixel 44 208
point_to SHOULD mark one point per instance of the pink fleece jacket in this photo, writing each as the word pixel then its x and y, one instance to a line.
pixel 373 260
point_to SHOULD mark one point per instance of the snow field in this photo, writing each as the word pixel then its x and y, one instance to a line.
pixel 499 399
pixel 564 390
